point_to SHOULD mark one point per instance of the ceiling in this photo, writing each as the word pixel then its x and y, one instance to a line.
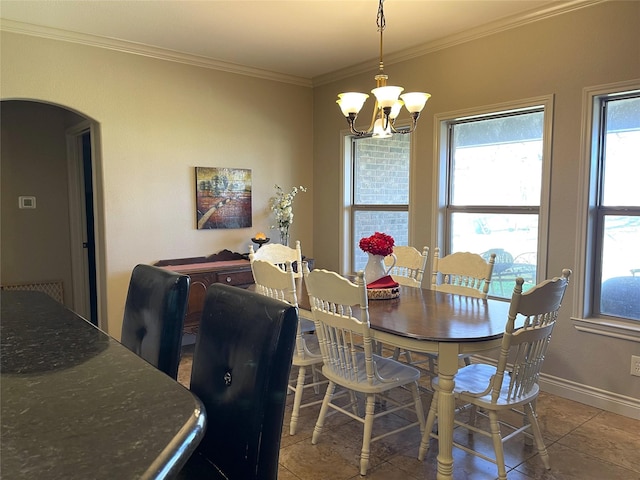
pixel 299 38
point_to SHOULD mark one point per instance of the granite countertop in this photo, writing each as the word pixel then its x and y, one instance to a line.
pixel 77 404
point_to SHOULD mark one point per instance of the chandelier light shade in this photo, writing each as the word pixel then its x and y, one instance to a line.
pixel 389 100
pixel 351 102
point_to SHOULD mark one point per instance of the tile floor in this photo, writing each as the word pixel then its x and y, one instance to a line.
pixel 584 443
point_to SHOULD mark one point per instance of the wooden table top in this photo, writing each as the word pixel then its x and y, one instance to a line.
pixel 423 314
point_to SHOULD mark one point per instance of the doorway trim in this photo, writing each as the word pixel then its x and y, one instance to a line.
pixel 77 217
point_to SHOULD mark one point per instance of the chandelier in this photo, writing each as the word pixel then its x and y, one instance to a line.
pixel 387 106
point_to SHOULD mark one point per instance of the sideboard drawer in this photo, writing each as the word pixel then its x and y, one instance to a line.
pixel 236 272
pixel 235 278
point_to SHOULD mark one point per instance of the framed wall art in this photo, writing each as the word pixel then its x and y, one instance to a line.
pixel 223 197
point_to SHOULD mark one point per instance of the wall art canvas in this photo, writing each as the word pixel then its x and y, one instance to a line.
pixel 223 197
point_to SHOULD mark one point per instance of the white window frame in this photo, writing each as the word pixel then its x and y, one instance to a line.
pixel 584 319
pixel 346 182
pixel 440 172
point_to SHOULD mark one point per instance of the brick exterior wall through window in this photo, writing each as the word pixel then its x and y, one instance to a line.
pixel 381 179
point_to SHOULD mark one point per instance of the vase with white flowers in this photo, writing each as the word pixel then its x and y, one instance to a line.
pixel 282 207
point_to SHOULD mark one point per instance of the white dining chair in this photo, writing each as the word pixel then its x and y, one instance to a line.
pixel 340 311
pixel 464 273
pixel 409 266
pixel 274 282
pixel 507 386
pixel 279 255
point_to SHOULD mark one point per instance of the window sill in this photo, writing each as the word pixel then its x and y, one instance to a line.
pixel 626 330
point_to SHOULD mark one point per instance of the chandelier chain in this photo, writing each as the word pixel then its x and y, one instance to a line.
pixel 380 21
pixel 381 24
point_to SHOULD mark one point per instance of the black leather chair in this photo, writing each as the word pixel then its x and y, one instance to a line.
pixel 240 372
pixel 154 316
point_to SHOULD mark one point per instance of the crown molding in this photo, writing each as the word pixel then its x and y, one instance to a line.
pixel 554 9
pixel 147 51
pixel 518 20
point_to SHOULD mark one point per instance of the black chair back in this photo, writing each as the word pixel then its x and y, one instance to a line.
pixel 240 372
pixel 154 316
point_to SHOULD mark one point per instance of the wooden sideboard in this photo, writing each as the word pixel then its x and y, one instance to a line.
pixel 224 267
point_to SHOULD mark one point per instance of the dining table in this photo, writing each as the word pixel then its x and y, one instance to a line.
pixel 75 403
pixel 448 325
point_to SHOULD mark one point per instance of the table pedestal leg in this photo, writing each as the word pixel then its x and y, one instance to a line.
pixel 447 368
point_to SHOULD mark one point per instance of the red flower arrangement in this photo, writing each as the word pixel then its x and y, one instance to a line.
pixel 377 244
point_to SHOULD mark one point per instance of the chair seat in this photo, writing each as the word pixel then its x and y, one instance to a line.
pixel 394 373
pixel 476 377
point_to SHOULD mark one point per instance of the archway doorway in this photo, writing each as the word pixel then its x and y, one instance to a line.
pixel 50 153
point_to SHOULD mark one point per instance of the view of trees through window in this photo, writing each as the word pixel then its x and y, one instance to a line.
pixel 494 192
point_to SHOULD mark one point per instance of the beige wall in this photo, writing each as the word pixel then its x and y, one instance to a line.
pixel 559 56
pixel 158 120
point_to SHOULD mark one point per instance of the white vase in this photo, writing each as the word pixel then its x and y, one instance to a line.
pixel 375 268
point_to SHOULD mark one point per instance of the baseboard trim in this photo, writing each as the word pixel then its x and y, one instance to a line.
pixel 592 396
pixel 595 397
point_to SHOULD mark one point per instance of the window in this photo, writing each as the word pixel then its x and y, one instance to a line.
pixel 615 227
pixel 378 191
pixel 492 190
